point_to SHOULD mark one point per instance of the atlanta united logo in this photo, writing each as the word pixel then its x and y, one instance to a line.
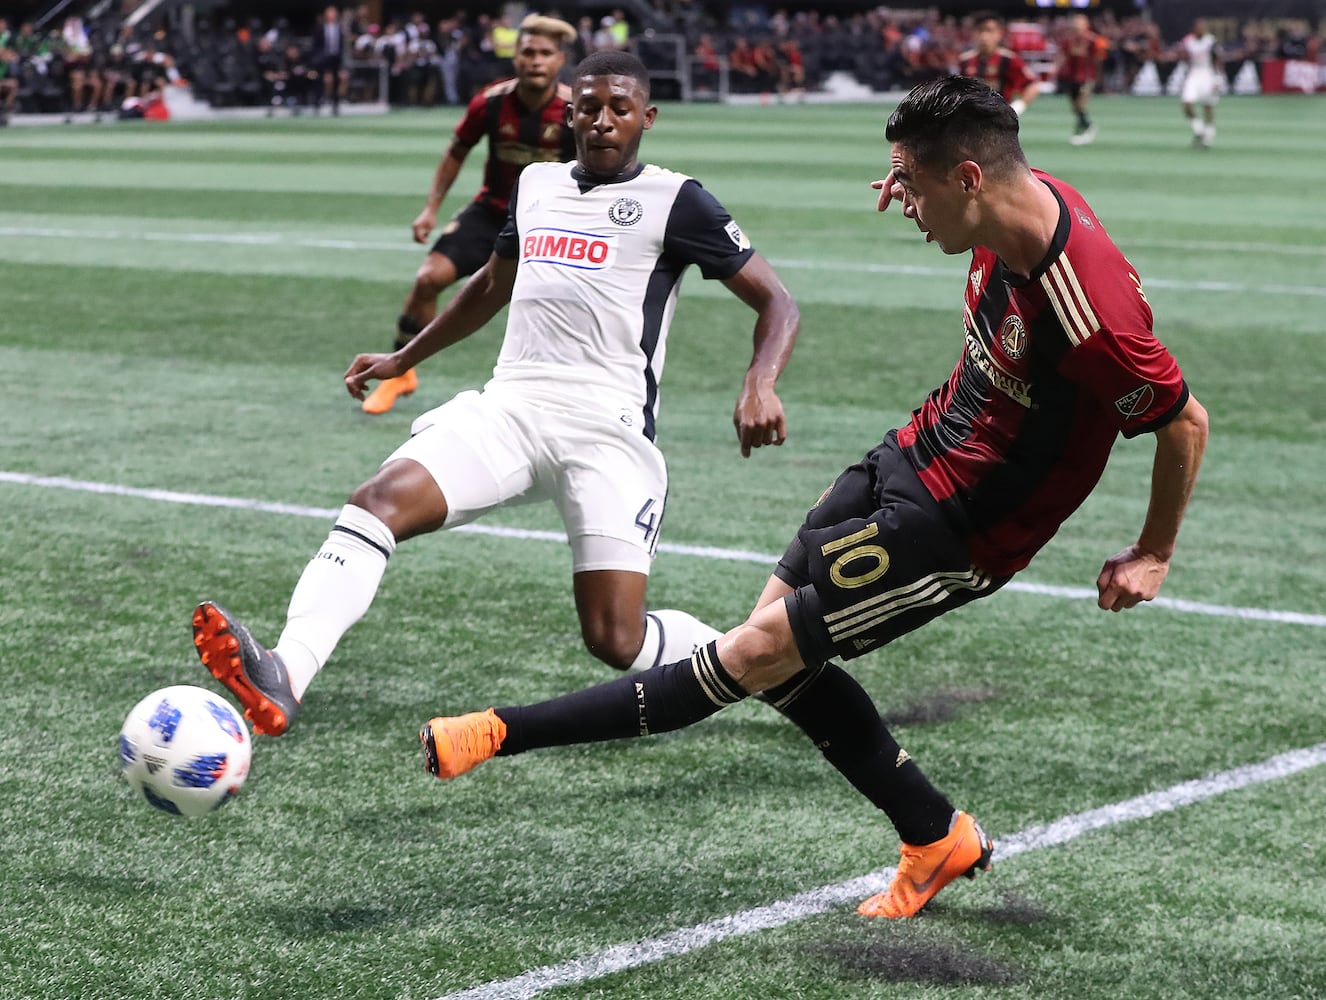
pixel 1013 337
pixel 625 211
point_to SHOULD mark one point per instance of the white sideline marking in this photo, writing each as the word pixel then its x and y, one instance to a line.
pixel 865 267
pixel 700 551
pixel 806 904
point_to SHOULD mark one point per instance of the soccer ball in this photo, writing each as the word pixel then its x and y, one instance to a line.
pixel 185 750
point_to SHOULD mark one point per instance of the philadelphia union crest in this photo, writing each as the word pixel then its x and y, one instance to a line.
pixel 625 211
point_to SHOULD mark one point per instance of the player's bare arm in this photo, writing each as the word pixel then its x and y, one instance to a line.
pixel 447 170
pixel 759 418
pixel 481 298
pixel 1136 574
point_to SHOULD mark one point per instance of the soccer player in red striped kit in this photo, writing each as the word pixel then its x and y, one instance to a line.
pixel 1058 360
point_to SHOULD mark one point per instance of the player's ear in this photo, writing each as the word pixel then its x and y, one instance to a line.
pixel 568 113
pixel 970 176
pixel 651 113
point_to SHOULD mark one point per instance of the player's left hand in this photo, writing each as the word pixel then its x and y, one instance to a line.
pixel 888 191
pixel 1129 578
pixel 366 367
pixel 759 419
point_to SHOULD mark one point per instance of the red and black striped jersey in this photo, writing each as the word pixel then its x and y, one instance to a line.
pixel 1003 71
pixel 1055 366
pixel 517 137
pixel 1078 60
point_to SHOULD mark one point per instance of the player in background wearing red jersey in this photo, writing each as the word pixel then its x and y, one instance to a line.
pixel 1076 68
pixel 1057 361
pixel 1002 69
pixel 523 119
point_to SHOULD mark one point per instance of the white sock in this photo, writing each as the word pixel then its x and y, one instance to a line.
pixel 1197 127
pixel 671 636
pixel 335 590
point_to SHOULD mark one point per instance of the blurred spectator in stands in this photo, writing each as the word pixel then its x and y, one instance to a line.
pixel 450 40
pixel 767 70
pixel 117 79
pixel 705 65
pixel 1002 69
pixel 8 72
pixel 421 75
pixel 504 35
pixel 327 59
pixel 83 81
pixel 613 32
pixel 792 69
pixel 743 77
pixel 390 49
pixel 302 79
pixel 584 40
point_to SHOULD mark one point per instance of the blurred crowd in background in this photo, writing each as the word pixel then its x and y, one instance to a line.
pixel 110 62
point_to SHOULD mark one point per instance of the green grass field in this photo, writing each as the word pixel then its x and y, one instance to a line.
pixel 177 305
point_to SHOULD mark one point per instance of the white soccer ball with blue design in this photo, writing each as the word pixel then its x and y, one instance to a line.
pixel 185 750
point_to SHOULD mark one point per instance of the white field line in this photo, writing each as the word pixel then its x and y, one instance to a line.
pixel 807 904
pixel 274 239
pixel 627 956
pixel 699 551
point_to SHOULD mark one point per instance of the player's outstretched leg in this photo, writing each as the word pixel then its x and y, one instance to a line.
pixel 456 744
pixel 926 869
pixel 254 675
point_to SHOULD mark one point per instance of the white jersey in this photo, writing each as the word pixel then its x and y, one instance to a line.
pixel 599 268
pixel 1199 51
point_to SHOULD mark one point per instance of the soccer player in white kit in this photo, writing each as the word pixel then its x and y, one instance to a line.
pixel 1204 82
pixel 590 260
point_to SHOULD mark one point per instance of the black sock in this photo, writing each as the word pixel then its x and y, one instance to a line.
pixel 1083 121
pixel 657 700
pixel 837 714
pixel 407 328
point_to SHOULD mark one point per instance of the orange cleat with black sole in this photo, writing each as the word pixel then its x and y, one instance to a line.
pixel 456 744
pixel 924 870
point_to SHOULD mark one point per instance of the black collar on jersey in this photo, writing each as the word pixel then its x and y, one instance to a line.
pixel 1057 245
pixel 588 182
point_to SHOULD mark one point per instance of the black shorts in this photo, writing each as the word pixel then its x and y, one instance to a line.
pixel 875 559
pixel 467 240
pixel 1075 89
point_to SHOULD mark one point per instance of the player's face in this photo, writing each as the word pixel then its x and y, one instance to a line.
pixel 608 116
pixel 936 201
pixel 537 61
pixel 988 36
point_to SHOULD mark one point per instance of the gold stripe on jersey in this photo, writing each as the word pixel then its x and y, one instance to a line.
pixel 811 676
pixel 1069 301
pixel 706 672
pixel 928 590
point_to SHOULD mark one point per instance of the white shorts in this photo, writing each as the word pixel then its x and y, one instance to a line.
pixel 503 447
pixel 1199 87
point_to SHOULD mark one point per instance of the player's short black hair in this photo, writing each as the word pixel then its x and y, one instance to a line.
pixel 981 16
pixel 614 62
pixel 957 118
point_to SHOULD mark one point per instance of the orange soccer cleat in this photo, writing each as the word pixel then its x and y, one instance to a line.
pixel 461 743
pixel 384 397
pixel 924 870
pixel 256 676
